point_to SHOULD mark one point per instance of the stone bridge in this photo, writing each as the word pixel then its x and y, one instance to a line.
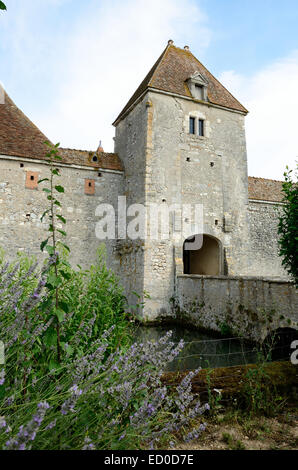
pixel 250 307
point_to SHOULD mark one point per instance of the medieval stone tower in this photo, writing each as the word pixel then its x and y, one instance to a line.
pixel 181 138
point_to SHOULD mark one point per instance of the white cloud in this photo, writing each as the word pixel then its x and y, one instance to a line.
pixel 108 54
pixel 271 96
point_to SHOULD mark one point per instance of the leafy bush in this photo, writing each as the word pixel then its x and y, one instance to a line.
pixel 92 299
pixel 288 225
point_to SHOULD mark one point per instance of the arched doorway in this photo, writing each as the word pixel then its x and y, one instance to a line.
pixel 206 260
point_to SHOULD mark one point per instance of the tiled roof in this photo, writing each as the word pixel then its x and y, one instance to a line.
pixel 264 190
pixel 19 137
pixel 107 161
pixel 170 73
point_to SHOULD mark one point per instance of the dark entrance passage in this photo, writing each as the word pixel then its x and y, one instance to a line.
pixel 206 260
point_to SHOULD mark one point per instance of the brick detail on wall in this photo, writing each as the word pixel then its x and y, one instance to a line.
pixel 31 180
pixel 89 187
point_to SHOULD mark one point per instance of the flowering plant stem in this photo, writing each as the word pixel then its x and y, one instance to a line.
pixel 55 274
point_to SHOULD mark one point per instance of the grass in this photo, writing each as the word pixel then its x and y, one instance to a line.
pixel 235 429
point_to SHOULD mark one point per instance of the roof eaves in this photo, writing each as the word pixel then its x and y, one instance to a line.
pixel 190 98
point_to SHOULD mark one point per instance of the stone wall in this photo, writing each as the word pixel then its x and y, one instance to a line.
pixel 21 208
pixel 263 247
pixel 131 146
pixel 250 307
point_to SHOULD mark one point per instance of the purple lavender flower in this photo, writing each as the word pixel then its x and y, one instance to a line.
pixel 88 445
pixel 27 433
pixel 2 377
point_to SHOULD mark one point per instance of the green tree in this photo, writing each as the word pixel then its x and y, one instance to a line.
pixel 2 6
pixel 288 225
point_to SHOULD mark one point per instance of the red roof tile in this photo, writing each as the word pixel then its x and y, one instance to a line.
pixel 170 73
pixel 108 161
pixel 264 189
pixel 19 137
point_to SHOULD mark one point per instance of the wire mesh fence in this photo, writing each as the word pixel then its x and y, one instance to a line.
pixel 202 351
pixel 225 352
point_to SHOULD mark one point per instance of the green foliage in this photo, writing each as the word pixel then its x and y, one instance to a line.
pixel 260 395
pixel 2 6
pixel 233 444
pixel 214 395
pixel 97 300
pixel 225 329
pixel 90 302
pixel 56 273
pixel 288 225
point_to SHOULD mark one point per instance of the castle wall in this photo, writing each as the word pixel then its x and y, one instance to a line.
pixel 131 146
pixel 263 247
pixel 22 207
pixel 251 307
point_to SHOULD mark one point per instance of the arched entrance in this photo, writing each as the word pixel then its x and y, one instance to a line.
pixel 206 260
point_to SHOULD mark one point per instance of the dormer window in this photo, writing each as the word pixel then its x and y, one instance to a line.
pixel 199 92
pixel 197 85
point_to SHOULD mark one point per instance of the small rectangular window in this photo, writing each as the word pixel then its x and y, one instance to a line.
pixel 201 127
pixel 192 125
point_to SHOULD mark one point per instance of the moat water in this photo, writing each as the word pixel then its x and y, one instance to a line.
pixel 206 350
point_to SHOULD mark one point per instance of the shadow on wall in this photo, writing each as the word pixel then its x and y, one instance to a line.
pixel 206 260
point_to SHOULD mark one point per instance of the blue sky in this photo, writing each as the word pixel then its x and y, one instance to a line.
pixel 71 65
pixel 249 34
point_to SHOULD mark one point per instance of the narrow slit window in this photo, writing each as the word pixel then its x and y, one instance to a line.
pixel 31 181
pixel 201 127
pixel 89 187
pixel 192 125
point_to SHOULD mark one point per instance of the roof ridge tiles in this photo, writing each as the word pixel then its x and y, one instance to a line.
pixel 265 179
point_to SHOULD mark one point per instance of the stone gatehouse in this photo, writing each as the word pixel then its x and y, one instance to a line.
pixel 179 140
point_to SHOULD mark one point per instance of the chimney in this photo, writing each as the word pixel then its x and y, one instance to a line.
pixel 100 149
